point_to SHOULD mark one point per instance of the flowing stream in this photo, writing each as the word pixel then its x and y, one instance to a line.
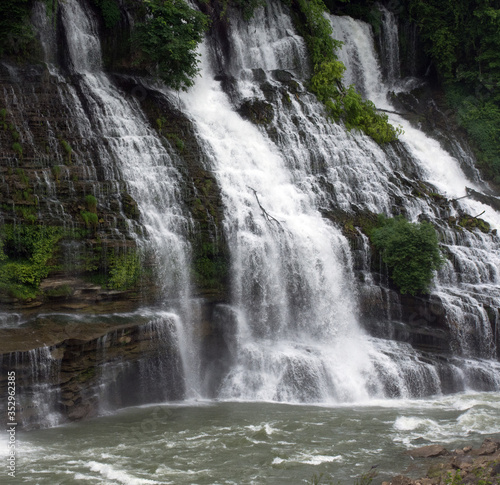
pixel 252 443
pixel 294 304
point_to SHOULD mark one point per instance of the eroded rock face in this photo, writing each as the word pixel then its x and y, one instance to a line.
pixel 72 371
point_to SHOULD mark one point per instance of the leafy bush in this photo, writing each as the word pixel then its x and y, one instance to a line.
pixel 125 270
pixel 167 39
pixel 90 219
pixel 25 253
pixel 410 250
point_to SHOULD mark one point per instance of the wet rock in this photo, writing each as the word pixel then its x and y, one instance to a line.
pixel 428 451
pixel 488 447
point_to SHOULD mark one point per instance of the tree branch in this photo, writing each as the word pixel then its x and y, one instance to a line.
pixel 267 216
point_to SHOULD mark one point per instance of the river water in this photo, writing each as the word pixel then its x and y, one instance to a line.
pixel 252 443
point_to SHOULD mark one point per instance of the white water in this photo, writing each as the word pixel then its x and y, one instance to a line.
pixel 471 278
pixel 298 338
pixel 131 151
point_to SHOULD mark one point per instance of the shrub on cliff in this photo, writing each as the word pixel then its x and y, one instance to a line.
pixel 341 103
pixel 166 40
pixel 410 250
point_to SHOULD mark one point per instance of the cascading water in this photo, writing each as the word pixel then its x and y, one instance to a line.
pixel 298 338
pixel 129 152
pixel 469 284
pixel 294 301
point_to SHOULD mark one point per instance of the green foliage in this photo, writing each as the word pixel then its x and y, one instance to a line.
pixel 124 270
pixel 25 254
pixel 110 12
pixel 462 37
pixel 3 114
pixel 166 41
pixel 410 250
pixel 90 219
pixel 67 148
pixel 17 148
pixel 176 140
pixel 56 171
pixel 91 203
pixel 28 213
pixel 60 291
pixel 16 34
pixel 22 176
pixel 326 81
pixel 480 115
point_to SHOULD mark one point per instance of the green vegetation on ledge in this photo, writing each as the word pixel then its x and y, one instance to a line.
pixel 326 82
pixel 410 250
pixel 25 254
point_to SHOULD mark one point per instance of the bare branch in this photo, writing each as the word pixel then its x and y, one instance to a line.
pixel 267 216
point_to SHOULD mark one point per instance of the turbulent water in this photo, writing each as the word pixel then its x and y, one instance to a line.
pixel 294 297
pixel 251 443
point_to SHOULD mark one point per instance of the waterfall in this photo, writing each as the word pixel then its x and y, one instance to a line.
pixel 469 284
pixel 389 46
pixel 292 287
pixel 298 337
pixel 292 326
pixel 130 151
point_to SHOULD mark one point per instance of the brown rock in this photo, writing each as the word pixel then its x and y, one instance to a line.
pixel 401 480
pixel 488 447
pixel 428 451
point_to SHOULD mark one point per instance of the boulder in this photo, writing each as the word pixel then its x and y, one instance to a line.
pixel 428 451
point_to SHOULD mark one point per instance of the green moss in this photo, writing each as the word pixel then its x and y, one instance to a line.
pixel 471 223
pixel 91 203
pixel 176 140
pixel 60 291
pixel 87 374
pixel 124 270
pixel 17 148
